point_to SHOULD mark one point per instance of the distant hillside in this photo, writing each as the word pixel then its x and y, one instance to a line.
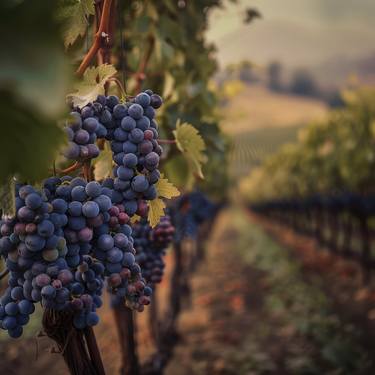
pixel 332 38
pixel 258 108
pixel 337 70
pixel 260 121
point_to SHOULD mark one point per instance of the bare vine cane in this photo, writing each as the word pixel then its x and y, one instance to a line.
pixel 125 328
pixel 58 325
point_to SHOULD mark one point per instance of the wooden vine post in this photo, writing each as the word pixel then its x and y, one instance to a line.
pixel 125 326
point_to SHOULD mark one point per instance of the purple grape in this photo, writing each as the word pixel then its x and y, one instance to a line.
pixel 81 137
pixel 156 101
pixel 90 124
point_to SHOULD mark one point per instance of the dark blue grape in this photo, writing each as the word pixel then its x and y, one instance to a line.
pixel 143 123
pixel 129 147
pixel 128 123
pixel 90 209
pixel 90 124
pixel 120 111
pixel 136 136
pixel 135 111
pixel 125 173
pixel 143 99
pixel 79 193
pixel 130 160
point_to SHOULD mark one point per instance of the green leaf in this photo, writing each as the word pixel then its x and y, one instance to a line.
pixel 178 171
pixel 103 164
pixel 34 66
pixel 192 145
pixel 156 211
pixel 7 197
pixel 166 189
pixel 29 142
pixel 75 19
pixel 92 85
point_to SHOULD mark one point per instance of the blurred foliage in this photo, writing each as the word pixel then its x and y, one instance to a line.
pixel 231 88
pixel 251 15
pixel 34 76
pixel 180 65
pixel 332 156
pixel 75 17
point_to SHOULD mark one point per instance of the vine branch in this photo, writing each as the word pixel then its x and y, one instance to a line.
pixel 102 32
pixel 140 75
pixel 77 165
pixel 119 85
pixel 4 273
pixel 167 141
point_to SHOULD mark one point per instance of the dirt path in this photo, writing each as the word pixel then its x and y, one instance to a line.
pixel 254 312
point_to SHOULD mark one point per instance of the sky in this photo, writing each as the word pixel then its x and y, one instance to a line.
pixel 296 32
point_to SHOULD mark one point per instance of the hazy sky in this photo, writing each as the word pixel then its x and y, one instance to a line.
pixel 298 32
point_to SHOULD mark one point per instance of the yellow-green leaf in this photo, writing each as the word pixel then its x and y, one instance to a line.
pixel 169 84
pixel 75 19
pixel 155 211
pixel 135 219
pixel 7 197
pixel 166 189
pixel 103 164
pixel 192 145
pixel 92 84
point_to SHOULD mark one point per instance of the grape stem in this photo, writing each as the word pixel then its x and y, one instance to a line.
pixel 74 167
pixel 101 33
pixel 167 141
pixel 119 85
pixel 4 273
pixel 87 170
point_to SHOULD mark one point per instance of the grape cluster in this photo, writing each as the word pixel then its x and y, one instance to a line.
pixel 150 245
pixel 70 238
pixel 162 234
pixel 135 149
pixel 132 130
pixel 34 248
pixel 189 212
pixel 82 130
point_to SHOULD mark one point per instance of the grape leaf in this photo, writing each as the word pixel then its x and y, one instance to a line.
pixel 103 164
pixel 156 211
pixel 75 19
pixel 192 145
pixel 135 219
pixel 7 197
pixel 92 84
pixel 166 189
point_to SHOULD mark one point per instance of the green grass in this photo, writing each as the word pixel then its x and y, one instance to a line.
pixel 300 304
pixel 250 148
